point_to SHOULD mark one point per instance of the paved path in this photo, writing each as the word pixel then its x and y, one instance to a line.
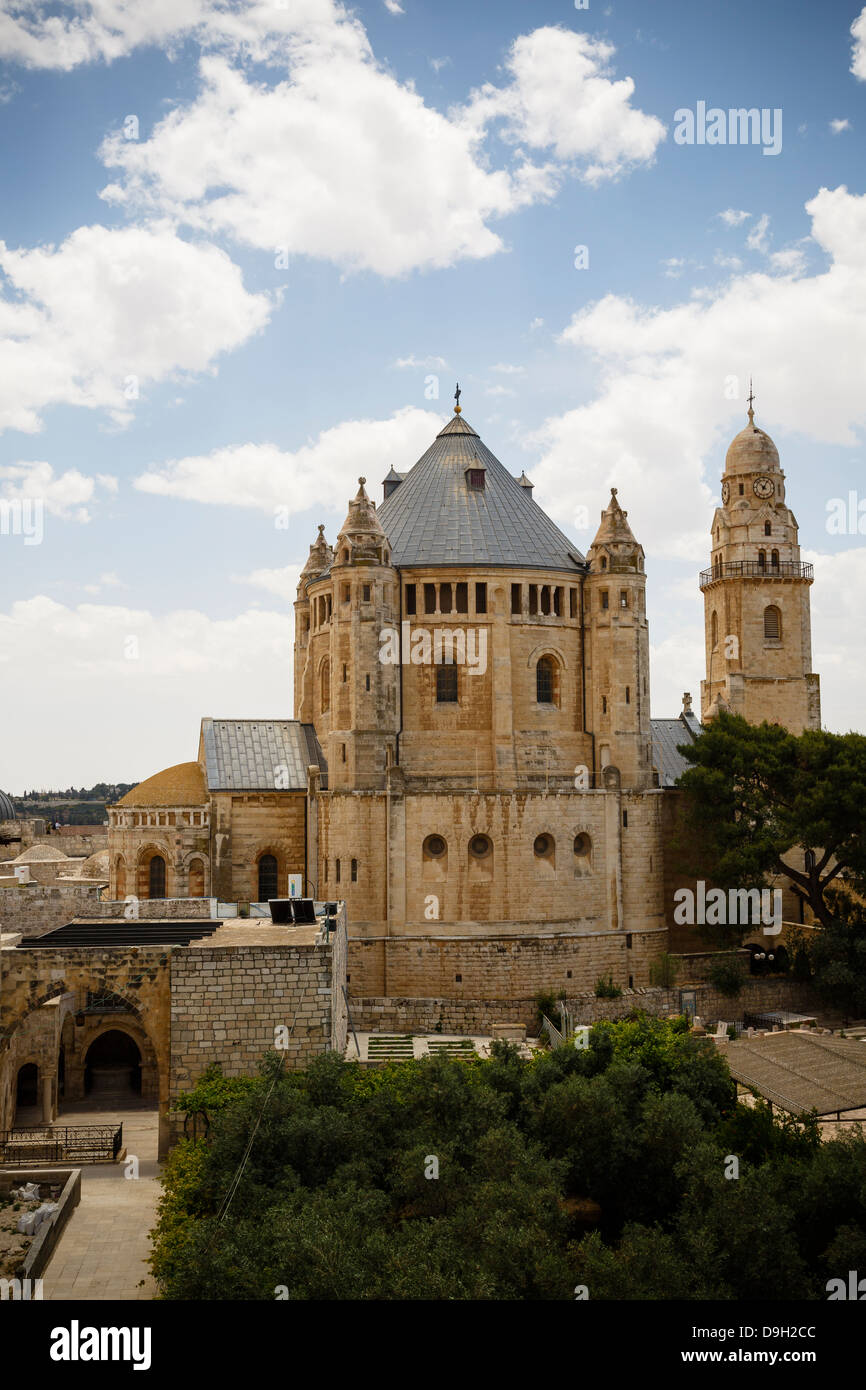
pixel 102 1251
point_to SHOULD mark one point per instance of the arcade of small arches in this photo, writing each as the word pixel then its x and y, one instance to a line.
pixel 153 876
pixel 480 852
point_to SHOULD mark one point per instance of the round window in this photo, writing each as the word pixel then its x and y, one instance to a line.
pixel 480 846
pixel 543 845
pixel 435 846
pixel 581 844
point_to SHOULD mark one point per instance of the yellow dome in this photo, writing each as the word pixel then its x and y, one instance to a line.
pixel 181 785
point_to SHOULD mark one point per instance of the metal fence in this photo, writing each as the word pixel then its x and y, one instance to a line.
pixel 64 1143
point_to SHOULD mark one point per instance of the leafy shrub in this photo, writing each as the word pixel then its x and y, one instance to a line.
pixel 606 989
pixel 727 975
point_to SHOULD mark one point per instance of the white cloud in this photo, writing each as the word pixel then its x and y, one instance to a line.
pixel 561 98
pixel 343 162
pixel 65 496
pixel 858 50
pixel 499 390
pixel 727 262
pixel 661 415
pixel 183 657
pixel 535 325
pixel 283 582
pixel 108 312
pixel 734 218
pixel 266 477
pixel 837 612
pixel 109 580
pixel 421 363
pixel 789 261
pixel 70 33
pixel 394 7
pixel 839 125
pixel 507 368
pixel 757 238
pixel 437 64
pixel 673 267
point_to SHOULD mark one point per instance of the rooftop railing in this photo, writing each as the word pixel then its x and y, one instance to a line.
pixel 736 569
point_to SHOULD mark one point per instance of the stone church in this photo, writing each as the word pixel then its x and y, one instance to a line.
pixel 472 765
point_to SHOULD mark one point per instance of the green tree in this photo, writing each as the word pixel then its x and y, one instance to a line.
pixel 757 797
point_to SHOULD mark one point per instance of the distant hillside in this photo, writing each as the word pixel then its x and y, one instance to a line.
pixel 75 805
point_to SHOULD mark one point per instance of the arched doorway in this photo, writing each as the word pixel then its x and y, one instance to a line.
pixel 27 1087
pixel 112 1067
pixel 268 874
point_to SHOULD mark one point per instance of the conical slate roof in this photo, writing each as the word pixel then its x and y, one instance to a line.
pixel 435 518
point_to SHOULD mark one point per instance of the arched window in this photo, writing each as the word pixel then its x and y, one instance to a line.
pixel 446 684
pixel 768 529
pixel 544 849
pixel 715 629
pixel 762 559
pixel 582 855
pixel 267 877
pixel 480 847
pixel 772 622
pixel 196 878
pixel 545 680
pixel 774 559
pixel 325 679
pixel 156 877
pixel 354 871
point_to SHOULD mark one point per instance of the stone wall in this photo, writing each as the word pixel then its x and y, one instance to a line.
pixel 34 908
pixel 477 1016
pixel 506 967
pixel 227 1002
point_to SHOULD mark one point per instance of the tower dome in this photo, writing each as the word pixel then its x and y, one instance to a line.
pixel 752 451
pixel 7 810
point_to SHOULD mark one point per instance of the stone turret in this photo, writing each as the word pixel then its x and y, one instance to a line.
pixel 617 646
pixel 364 716
pixel 318 562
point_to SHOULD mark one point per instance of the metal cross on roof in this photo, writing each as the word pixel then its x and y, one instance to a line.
pixel 457 394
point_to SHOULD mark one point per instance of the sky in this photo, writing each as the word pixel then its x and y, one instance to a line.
pixel 247 249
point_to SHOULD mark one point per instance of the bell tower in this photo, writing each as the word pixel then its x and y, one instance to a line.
pixel 757 619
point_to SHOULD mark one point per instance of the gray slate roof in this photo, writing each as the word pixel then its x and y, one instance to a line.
pixel 244 754
pixel 435 518
pixel 668 762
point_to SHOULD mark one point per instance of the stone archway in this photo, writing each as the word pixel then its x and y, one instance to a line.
pixel 26 1088
pixel 113 1067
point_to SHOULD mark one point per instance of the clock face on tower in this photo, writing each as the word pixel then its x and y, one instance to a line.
pixel 726 491
pixel 763 487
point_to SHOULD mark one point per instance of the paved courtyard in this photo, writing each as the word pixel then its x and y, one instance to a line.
pixel 102 1252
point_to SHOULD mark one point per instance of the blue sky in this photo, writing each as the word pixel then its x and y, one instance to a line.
pixel 241 310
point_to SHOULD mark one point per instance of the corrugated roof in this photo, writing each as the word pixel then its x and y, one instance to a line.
pixel 259 754
pixel 668 762
pixel 435 518
pixel 800 1071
